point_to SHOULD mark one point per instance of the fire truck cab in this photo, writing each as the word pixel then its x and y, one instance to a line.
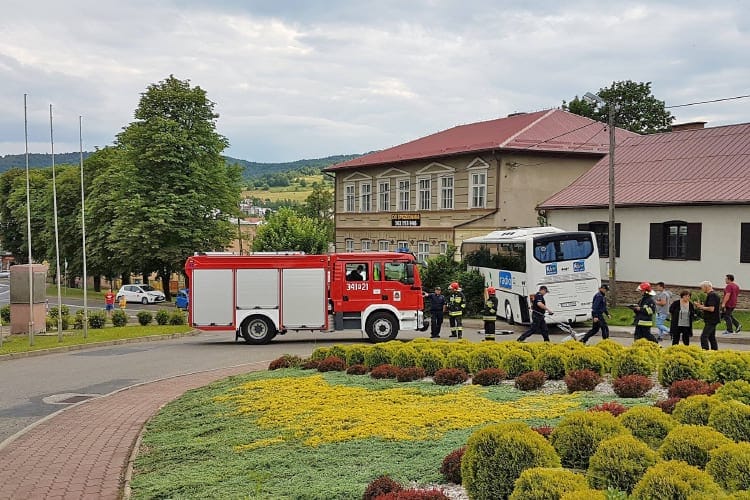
pixel 261 296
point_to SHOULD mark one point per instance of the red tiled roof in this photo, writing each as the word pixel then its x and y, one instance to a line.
pixel 552 130
pixel 691 167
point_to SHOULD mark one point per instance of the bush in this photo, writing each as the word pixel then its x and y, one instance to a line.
pixel 451 466
pixel 332 364
pixel 531 381
pixel 632 386
pixel 619 463
pixel 633 362
pixel 320 353
pixel 145 318
pixel 678 366
pixel 285 361
pixel 384 371
pixel 381 486
pixel 377 355
pixel 540 483
pixel 688 387
pixel 450 376
pixel 97 319
pixel 517 361
pixel 736 389
pixel 482 359
pixel 119 318
pixel 355 355
pixel 431 360
pixel 667 405
pixel 552 362
pixel 405 357
pixel 676 480
pixel 649 424
pixel 415 494
pixel 579 433
pixel 694 410
pixel 78 320
pixel 613 407
pixel 53 312
pixel 729 465
pixel 162 317
pixel 590 494
pixel 725 366
pixel 51 322
pixel 356 370
pixel 310 364
pixel 731 418
pixel 5 314
pixel 582 380
pixel 337 350
pixel 586 359
pixel 543 430
pixel 410 374
pixel 691 444
pixel 496 456
pixel 177 317
pixel 458 359
pixel 489 376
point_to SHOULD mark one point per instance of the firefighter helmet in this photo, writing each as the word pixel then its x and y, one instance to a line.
pixel 454 286
pixel 644 287
pixel 491 290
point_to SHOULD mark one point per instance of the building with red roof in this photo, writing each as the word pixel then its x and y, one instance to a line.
pixel 465 181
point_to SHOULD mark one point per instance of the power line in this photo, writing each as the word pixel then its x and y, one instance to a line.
pixel 707 102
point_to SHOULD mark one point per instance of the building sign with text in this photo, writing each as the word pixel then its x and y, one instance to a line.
pixel 405 220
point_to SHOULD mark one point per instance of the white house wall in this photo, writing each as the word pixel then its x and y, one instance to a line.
pixel 720 242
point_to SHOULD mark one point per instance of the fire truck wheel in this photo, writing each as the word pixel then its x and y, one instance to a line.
pixel 509 314
pixel 257 330
pixel 381 326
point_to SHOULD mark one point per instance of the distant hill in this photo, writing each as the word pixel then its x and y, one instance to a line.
pixel 40 160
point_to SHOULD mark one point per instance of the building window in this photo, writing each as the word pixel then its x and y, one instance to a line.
pixel 601 232
pixel 676 240
pixel 425 193
pixel 365 197
pixel 349 245
pixel 402 245
pixel 384 196
pixel 383 245
pixel 478 189
pixel 443 247
pixel 366 245
pixel 423 251
pixel 745 242
pixel 349 199
pixel 446 192
pixel 403 194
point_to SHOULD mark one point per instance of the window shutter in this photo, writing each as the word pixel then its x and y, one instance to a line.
pixel 617 239
pixel 583 227
pixel 745 242
pixel 656 241
pixel 693 241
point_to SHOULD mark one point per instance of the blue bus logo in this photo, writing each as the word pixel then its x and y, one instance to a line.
pixel 506 280
pixel 551 269
pixel 579 266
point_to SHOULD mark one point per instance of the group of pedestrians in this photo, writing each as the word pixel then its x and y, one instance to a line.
pixel 454 304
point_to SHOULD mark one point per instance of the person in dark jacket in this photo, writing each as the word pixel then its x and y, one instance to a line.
pixel 711 316
pixel 682 315
pixel 456 306
pixel 437 307
pixel 489 314
pixel 644 313
pixel 598 311
pixel 538 323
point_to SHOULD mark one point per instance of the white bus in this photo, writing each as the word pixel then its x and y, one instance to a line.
pixel 518 261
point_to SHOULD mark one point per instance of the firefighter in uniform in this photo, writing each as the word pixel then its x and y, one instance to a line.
pixel 456 306
pixel 489 314
pixel 644 313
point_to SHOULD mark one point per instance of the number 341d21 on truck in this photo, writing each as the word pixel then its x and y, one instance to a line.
pixel 261 296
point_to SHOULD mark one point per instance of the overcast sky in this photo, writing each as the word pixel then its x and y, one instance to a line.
pixel 306 79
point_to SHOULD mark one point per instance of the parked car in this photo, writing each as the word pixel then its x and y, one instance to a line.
pixel 145 294
pixel 4 274
pixel 182 299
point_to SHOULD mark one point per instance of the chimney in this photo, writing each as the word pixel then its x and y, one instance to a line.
pixel 681 127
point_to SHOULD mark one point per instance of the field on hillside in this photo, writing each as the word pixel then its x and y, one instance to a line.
pixel 295 192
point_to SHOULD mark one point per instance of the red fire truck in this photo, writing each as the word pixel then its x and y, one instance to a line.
pixel 261 296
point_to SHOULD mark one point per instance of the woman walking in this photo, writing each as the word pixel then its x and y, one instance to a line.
pixel 682 313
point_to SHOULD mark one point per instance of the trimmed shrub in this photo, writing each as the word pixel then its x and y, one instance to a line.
pixel 384 371
pixel 332 364
pixel 648 423
pixel 586 359
pixel 736 389
pixel 632 386
pixel 405 357
pixel 667 405
pixel 619 463
pixel 489 376
pixel 451 466
pixel 676 480
pixel 450 376
pixel 541 483
pixel 97 319
pixel 414 494
pixel 175 318
pixel 162 317
pixel 613 407
pixel 729 465
pixel 611 348
pixel 544 430
pixel 380 486
pixel 285 361
pixel 457 359
pixel 482 359
pixel 633 362
pixel 119 318
pixel 356 370
pixel 731 418
pixel 678 366
pixel 582 380
pixel 648 348
pixel 5 314
pixel 355 355
pixel 531 381
pixel 496 456
pixel 552 362
pixel 145 318
pixel 517 361
pixel 589 494
pixel 310 364
pixel 53 312
pixel 377 355
pixel 694 410
pixel 337 350
pixel 431 360
pixel 725 366
pixel 579 433
pixel 688 387
pixel 410 374
pixel 691 444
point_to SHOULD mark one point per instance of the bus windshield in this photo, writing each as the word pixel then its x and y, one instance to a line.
pixel 558 248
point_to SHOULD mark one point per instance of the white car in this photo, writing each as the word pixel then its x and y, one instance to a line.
pixel 145 294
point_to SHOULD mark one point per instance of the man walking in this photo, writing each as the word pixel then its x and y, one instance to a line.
pixel 662 299
pixel 437 307
pixel 711 317
pixel 729 303
pixel 456 306
pixel 538 324
pixel 109 302
pixel 644 313
pixel 598 311
pixel 489 314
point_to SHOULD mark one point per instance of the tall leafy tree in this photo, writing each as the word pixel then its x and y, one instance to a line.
pixel 319 206
pixel 287 230
pixel 13 213
pixel 636 109
pixel 180 192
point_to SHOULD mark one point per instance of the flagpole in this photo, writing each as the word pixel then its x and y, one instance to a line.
pixel 28 223
pixel 57 237
pixel 83 233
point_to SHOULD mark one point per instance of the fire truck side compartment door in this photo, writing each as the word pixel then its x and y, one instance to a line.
pixel 304 298
pixel 212 297
pixel 257 288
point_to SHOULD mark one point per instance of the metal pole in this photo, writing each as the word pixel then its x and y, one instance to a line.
pixel 83 234
pixel 28 224
pixel 612 232
pixel 57 237
pixel 239 233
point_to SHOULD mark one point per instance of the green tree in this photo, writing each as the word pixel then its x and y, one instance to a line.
pixel 288 230
pixel 636 109
pixel 13 213
pixel 179 192
pixel 319 205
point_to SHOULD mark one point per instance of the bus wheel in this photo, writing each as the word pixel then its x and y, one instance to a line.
pixel 257 330
pixel 381 327
pixel 509 314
